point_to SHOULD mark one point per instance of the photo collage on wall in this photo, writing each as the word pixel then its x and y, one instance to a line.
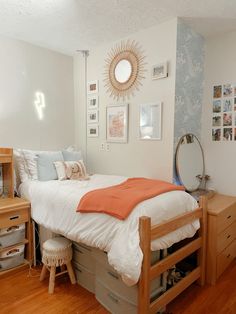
pixel 224 113
pixel 92 109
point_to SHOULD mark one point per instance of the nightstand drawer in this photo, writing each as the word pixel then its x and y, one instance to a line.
pixel 15 217
pixel 225 258
pixel 226 237
pixel 226 218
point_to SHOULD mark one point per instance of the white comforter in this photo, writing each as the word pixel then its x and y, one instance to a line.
pixel 54 203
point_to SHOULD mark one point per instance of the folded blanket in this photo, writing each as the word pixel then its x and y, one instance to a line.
pixel 120 200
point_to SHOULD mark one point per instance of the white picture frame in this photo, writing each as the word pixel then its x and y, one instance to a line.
pixel 92 102
pixel 92 130
pixel 92 116
pixel 159 71
pixel 117 123
pixel 92 87
pixel 150 121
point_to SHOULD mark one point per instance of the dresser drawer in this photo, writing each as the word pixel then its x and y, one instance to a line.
pixel 225 258
pixel 226 218
pixel 15 217
pixel 226 237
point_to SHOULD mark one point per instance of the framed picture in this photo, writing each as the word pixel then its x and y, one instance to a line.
pixel 217 91
pixel 150 120
pixel 92 102
pixel 117 123
pixel 92 130
pixel 92 87
pixel 92 116
pixel 160 71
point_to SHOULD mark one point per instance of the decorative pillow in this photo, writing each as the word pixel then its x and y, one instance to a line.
pixel 30 159
pixel 71 156
pixel 46 168
pixel 21 170
pixel 72 170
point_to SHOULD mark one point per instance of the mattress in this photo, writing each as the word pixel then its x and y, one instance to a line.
pixel 53 205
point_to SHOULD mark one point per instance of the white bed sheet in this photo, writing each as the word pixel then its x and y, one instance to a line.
pixel 53 206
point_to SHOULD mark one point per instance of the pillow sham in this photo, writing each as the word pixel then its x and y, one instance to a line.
pixel 71 155
pixel 72 170
pixel 46 168
pixel 21 170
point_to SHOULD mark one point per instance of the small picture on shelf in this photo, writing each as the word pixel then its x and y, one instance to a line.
pixel 234 104
pixel 227 134
pixel 217 91
pixel 216 134
pixel 235 134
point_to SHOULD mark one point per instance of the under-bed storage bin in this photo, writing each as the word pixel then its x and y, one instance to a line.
pixel 12 257
pixel 84 277
pixel 12 235
pixel 82 254
pixel 112 301
pixel 107 276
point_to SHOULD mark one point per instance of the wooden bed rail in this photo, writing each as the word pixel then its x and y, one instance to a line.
pixel 148 273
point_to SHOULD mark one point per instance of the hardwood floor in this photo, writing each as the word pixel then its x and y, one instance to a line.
pixel 21 294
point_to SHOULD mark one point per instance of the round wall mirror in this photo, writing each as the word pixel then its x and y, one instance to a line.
pixel 123 71
pixel 189 162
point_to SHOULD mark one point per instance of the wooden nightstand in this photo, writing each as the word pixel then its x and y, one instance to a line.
pixel 14 216
pixel 221 244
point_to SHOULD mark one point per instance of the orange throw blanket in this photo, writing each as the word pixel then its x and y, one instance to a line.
pixel 120 200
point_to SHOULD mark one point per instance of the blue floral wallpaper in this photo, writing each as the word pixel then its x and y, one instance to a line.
pixel 189 82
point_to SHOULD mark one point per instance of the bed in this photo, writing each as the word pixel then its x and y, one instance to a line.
pixel 154 224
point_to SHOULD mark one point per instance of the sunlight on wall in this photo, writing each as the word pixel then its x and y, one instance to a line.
pixel 39 103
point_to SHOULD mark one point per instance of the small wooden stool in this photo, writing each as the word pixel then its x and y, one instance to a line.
pixel 57 252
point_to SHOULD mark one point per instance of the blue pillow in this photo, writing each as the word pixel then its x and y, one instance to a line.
pixel 72 156
pixel 46 168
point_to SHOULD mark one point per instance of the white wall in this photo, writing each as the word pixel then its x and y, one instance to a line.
pixel 137 158
pixel 220 68
pixel 26 69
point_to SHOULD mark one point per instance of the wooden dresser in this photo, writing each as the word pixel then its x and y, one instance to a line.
pixel 221 246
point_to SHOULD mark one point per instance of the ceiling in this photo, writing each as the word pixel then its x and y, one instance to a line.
pixel 68 25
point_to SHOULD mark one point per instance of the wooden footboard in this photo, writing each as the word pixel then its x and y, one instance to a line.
pixel 148 272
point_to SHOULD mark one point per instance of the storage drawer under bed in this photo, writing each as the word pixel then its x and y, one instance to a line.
pixel 84 277
pixel 82 254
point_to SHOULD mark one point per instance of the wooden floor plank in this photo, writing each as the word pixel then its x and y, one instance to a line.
pixel 23 294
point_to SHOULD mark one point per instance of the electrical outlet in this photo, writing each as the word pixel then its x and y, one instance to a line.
pixel 102 146
pixel 107 147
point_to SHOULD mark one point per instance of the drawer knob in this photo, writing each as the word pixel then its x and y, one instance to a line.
pixel 228 255
pixel 14 217
pixel 228 236
pixel 229 217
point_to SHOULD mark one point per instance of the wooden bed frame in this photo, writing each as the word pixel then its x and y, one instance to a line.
pixel 148 272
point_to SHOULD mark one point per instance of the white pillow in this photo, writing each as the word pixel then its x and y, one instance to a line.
pixel 72 170
pixel 21 169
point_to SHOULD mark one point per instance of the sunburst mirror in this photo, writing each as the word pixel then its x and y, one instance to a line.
pixel 125 69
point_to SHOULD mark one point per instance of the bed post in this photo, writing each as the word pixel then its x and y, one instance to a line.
pixel 203 234
pixel 144 282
